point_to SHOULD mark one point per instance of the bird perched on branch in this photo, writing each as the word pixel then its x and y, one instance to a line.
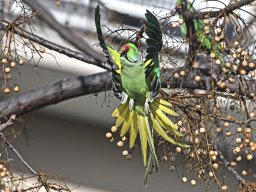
pixel 203 31
pixel 136 84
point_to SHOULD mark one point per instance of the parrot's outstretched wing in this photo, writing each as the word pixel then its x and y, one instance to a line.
pixel 116 76
pixel 155 43
pixel 112 58
pixel 101 39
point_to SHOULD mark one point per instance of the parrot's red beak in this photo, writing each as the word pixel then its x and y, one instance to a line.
pixel 125 48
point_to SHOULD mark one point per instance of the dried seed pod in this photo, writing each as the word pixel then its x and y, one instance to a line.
pixel 193 182
pixel 238 158
pixel 181 21
pixel 197 78
pixel 4 61
pixel 211 174
pixel 120 143
pixel 178 149
pixel 249 157
pixel 13 64
pixel 236 43
pixel 218 30
pixel 244 173
pixel 244 63
pixel 215 165
pixel 6 90
pixel 125 153
pixel 16 88
pixel 212 55
pixel 238 140
pixel 224 188
pixel 7 70
pixel 228 133
pixel 182 73
pixel 176 75
pixel 42 50
pixel 172 168
pixel 237 149
pixel 184 179
pixel 217 39
pixel 21 61
pixel 206 21
pixel 174 25
pixel 239 130
pixel 109 135
pixel 113 129
pixel 251 65
pixel 218 62
pixel 202 130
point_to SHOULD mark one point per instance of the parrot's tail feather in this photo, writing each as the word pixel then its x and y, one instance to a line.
pixel 127 123
pixel 156 122
pixel 143 137
pixel 162 102
pixel 133 131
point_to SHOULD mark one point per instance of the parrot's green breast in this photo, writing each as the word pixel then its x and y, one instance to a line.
pixel 134 81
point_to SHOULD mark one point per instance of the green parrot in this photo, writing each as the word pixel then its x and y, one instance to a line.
pixel 136 83
pixel 204 39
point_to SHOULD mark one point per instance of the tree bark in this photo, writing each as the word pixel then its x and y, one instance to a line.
pixel 54 93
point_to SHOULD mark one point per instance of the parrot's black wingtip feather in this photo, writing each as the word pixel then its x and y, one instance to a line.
pixel 154 33
pixel 97 11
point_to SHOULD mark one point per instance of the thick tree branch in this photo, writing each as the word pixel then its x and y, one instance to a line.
pixel 228 9
pixel 84 85
pixel 54 93
pixel 64 32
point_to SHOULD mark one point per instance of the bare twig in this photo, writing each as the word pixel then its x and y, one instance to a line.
pixel 40 177
pixel 230 168
pixel 56 47
pixel 9 145
pixel 228 9
pixel 9 122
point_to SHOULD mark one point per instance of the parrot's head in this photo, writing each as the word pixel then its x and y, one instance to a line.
pixel 130 52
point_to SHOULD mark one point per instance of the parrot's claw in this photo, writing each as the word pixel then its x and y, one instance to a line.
pixel 131 104
pixel 146 106
pixel 115 67
pixel 124 97
pixel 151 98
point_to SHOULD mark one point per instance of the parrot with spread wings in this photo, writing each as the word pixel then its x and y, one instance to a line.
pixel 136 84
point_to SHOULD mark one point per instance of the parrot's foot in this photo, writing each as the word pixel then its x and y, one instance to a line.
pixel 131 104
pixel 146 106
pixel 151 98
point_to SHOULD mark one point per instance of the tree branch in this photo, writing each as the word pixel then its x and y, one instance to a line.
pixel 228 9
pixel 54 93
pixel 9 122
pixel 64 32
pixel 56 47
pixel 84 85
